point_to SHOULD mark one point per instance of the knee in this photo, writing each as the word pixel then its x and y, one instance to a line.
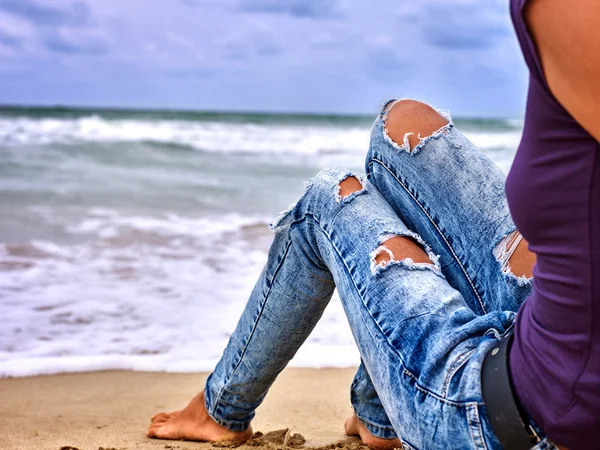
pixel 400 248
pixel 407 250
pixel 413 120
pixel 349 185
pixel 343 183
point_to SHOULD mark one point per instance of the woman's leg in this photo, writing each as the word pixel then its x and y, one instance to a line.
pixel 446 190
pixel 420 342
pixel 450 193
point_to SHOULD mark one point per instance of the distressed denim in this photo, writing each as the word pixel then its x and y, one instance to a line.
pixel 422 329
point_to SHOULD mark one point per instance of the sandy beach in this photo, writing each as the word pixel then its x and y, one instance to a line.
pixel 111 410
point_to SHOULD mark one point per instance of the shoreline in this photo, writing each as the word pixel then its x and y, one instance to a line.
pixel 111 410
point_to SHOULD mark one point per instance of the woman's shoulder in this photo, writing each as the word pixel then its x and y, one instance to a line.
pixel 560 39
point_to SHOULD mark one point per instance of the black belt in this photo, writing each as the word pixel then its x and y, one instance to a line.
pixel 513 432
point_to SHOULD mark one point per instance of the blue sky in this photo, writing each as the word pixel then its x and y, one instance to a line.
pixel 267 55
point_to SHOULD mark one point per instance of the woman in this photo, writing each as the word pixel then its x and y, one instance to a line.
pixel 431 271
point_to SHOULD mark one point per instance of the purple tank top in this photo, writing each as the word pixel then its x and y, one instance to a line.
pixel 553 191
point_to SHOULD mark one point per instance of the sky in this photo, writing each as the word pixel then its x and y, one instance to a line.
pixel 321 56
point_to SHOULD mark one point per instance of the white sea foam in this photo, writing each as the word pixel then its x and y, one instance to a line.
pixel 143 293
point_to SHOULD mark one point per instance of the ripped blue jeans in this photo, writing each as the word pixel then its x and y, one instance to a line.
pixel 422 329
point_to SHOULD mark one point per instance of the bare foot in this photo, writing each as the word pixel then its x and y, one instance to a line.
pixel 354 427
pixel 193 424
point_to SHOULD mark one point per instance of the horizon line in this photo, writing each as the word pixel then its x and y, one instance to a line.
pixel 58 106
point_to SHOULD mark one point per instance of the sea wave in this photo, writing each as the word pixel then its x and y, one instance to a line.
pixel 203 136
pixel 106 223
pixel 209 136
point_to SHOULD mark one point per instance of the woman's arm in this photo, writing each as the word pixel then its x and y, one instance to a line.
pixel 567 36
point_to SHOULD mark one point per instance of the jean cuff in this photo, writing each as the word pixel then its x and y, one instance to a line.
pixel 216 414
pixel 377 430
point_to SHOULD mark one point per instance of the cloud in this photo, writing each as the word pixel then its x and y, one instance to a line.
pixel 194 73
pixel 15 29
pixel 9 41
pixel 67 28
pixel 246 48
pixel 74 13
pixel 313 55
pixel 386 64
pixel 72 41
pixel 315 9
pixel 312 9
pixel 465 24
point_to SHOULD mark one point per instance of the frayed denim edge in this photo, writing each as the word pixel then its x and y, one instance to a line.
pixel 348 198
pixel 407 263
pixel 277 225
pixel 214 415
pixel 503 254
pixel 405 146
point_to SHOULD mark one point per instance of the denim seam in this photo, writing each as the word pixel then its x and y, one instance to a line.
pixel 459 262
pixel 262 308
pixel 356 381
pixel 458 362
pixel 436 396
pixel 474 424
pixel 359 291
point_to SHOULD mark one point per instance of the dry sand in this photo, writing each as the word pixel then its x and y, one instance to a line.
pixel 111 410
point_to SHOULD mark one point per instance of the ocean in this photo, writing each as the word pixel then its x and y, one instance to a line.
pixel 132 239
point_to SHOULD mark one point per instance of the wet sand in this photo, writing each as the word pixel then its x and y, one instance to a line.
pixel 111 410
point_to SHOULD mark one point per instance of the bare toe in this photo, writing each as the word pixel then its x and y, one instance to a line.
pixel 160 415
pixel 159 420
pixel 152 431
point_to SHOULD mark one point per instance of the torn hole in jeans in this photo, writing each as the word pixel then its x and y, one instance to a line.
pixel 405 145
pixel 349 197
pixel 407 263
pixel 504 251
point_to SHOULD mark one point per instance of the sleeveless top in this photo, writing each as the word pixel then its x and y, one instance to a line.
pixel 553 191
